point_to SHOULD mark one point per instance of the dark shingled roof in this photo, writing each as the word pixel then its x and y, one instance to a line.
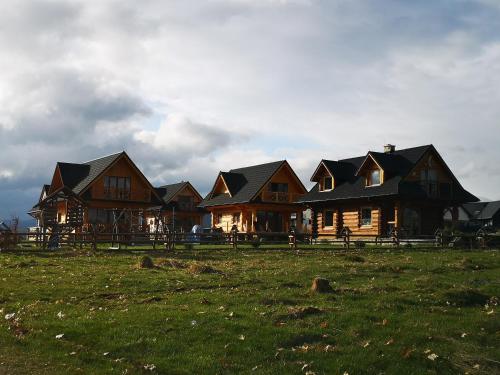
pixel 397 165
pixel 482 210
pixel 167 192
pixel 78 176
pixel 243 183
pixel 91 169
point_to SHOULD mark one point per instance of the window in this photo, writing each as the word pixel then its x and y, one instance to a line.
pixel 236 218
pixel 373 178
pixel 117 187
pixel 328 219
pixel 429 181
pixel 185 202
pixel 278 187
pixel 327 183
pixel 218 219
pixel 366 216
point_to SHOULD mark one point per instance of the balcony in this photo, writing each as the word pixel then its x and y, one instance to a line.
pixel 118 194
pixel 279 197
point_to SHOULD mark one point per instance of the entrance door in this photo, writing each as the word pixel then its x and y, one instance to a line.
pixel 268 221
pixel 411 221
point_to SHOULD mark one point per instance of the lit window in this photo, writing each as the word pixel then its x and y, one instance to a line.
pixel 374 178
pixel 366 216
pixel 236 218
pixel 328 219
pixel 327 183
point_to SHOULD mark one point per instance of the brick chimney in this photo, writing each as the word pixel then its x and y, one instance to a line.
pixel 389 149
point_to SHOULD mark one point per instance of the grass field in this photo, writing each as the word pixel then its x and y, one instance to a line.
pixel 250 311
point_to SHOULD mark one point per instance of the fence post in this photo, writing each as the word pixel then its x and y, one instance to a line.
pixel 94 237
pixel 292 238
pixel 481 238
pixel 395 237
pixel 346 235
pixel 234 237
pixel 439 238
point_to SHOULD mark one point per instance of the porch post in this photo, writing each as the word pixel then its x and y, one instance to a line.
pixel 397 215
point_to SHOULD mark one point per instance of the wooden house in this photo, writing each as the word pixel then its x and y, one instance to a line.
pixel 179 210
pixel 110 192
pixel 372 194
pixel 476 215
pixel 256 198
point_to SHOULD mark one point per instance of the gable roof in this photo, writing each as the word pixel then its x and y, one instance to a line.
pixel 168 192
pixel 45 190
pixel 397 166
pixel 244 183
pixel 78 177
pixel 482 210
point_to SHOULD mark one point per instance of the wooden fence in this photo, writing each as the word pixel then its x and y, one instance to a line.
pixel 233 239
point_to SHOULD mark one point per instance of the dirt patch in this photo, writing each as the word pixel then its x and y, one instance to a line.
pixel 302 312
pixel 467 297
pixel 173 264
pixel 355 258
pixel 276 301
pixel 197 269
pixel 151 299
pixel 469 264
pixel 23 264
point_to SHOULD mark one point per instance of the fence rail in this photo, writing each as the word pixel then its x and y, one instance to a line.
pixel 168 241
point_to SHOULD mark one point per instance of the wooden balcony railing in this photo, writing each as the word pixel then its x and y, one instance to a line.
pixel 127 195
pixel 279 197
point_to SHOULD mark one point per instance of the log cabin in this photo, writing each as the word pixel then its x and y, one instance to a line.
pixel 256 199
pixel 408 189
pixel 477 215
pixel 110 192
pixel 179 210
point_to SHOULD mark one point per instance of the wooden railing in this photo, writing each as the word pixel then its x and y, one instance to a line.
pixel 127 194
pixel 279 197
pixel 168 240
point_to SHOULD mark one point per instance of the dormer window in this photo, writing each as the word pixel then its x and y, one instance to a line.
pixel 327 183
pixel 373 178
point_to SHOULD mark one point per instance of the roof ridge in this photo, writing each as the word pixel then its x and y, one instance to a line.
pixel 257 165
pixel 103 157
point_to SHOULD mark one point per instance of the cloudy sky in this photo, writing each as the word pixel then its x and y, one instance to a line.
pixel 192 87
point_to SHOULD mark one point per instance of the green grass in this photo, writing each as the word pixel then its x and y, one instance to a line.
pixel 390 310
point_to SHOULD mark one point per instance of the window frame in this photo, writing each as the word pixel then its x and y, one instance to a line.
pixel 369 179
pixel 361 220
pixel 332 216
pixel 323 186
pixel 238 216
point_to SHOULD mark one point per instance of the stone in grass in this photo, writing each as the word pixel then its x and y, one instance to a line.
pixel 146 262
pixel 320 285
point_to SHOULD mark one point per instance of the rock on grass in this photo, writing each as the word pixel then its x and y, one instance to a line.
pixel 320 285
pixel 146 262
